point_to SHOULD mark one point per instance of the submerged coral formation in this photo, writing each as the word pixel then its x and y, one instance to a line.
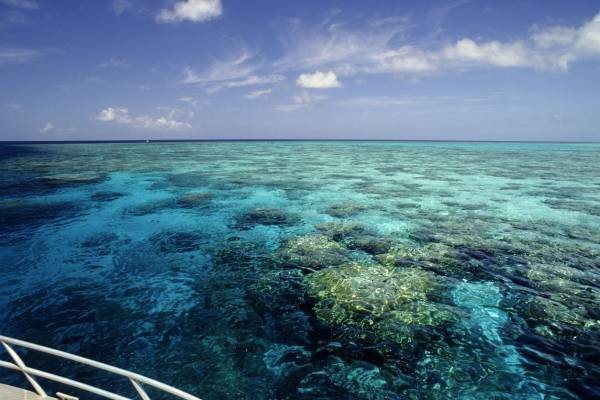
pixel 340 230
pixel 376 297
pixel 312 252
pixel 194 199
pixel 371 244
pixel 106 196
pixel 150 207
pixel 16 214
pixel 71 179
pixel 265 216
pixel 344 210
pixel 189 200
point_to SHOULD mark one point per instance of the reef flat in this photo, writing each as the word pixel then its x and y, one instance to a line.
pixel 309 270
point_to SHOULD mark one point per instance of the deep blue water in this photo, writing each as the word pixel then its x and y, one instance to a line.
pixel 309 270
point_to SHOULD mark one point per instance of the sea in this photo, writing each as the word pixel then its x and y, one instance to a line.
pixel 307 269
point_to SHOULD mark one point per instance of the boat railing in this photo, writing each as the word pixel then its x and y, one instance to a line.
pixel 30 373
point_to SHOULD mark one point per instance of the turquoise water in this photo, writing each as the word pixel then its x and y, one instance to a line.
pixel 309 270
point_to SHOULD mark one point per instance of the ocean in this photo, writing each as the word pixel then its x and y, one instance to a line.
pixel 308 270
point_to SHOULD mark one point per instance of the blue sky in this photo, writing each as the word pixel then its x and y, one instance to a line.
pixel 209 69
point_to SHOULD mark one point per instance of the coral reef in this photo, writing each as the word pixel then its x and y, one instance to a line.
pixel 376 297
pixel 312 252
pixel 371 244
pixel 66 180
pixel 150 207
pixel 106 196
pixel 339 231
pixel 194 199
pixel 265 216
pixel 344 210
pixel 17 214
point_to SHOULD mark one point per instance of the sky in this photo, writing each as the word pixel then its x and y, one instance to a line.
pixel 311 69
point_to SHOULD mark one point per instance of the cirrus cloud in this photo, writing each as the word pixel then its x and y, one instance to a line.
pixel 238 71
pixel 240 66
pixel 255 94
pixel 17 55
pixel 376 49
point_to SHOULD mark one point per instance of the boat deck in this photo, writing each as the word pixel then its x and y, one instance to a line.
pixel 8 392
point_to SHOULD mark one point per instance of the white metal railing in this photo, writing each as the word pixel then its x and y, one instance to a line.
pixel 30 373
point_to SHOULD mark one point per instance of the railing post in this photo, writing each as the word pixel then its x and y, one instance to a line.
pixel 64 396
pixel 22 366
pixel 139 389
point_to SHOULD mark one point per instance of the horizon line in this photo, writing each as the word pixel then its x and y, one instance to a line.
pixel 290 140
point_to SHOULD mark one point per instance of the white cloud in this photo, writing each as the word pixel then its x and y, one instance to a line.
pixel 565 45
pixel 165 123
pixel 464 53
pixel 113 63
pixel 122 116
pixel 27 4
pixel 467 51
pixel 588 38
pixel 378 48
pixel 318 80
pixel 111 114
pixel 554 36
pixel 405 59
pixel 336 50
pixel 191 10
pixel 49 127
pixel 257 93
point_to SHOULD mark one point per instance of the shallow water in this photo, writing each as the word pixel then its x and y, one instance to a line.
pixel 309 270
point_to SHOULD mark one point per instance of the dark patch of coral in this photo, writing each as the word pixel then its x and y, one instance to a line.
pixel 105 196
pixel 345 210
pixel 264 216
